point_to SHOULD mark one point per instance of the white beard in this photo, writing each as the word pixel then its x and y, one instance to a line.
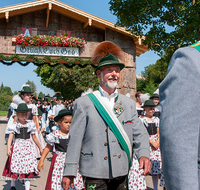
pixel 108 84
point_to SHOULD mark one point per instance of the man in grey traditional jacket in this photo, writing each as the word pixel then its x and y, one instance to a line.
pixel 105 129
pixel 180 120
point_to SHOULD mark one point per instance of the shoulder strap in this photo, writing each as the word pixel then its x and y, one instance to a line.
pixel 112 122
pixel 196 45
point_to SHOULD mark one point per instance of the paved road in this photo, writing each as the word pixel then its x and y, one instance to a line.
pixel 39 182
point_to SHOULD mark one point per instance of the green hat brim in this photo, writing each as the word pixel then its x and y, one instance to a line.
pixel 148 103
pixel 62 113
pixel 25 92
pixel 121 65
pixel 154 96
pixel 23 111
pixel 148 106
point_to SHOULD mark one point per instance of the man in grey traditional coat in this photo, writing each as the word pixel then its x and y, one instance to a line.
pixel 105 129
pixel 180 120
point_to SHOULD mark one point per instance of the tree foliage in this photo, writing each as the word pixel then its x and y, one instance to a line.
pixel 154 74
pixel 32 85
pixel 41 95
pixel 69 81
pixel 154 18
pixel 5 97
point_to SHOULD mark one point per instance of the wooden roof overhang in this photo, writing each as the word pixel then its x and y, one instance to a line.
pixel 69 11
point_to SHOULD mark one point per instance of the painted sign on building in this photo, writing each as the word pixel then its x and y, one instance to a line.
pixel 51 51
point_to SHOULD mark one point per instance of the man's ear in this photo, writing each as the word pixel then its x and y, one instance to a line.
pixel 98 73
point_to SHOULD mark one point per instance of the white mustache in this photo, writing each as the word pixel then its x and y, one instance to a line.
pixel 112 77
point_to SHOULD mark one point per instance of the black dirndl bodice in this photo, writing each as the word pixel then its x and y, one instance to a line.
pixel 152 129
pixel 62 146
pixel 23 134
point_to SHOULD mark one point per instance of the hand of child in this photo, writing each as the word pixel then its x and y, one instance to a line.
pixel 9 153
pixel 40 165
pixel 155 145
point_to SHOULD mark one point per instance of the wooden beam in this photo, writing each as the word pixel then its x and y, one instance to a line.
pixel 86 24
pixel 89 22
pixel 7 16
pixel 48 13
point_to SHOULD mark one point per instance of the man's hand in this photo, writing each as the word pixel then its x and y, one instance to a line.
pixel 67 181
pixel 145 164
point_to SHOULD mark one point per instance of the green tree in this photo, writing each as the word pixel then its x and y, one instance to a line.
pixel 154 73
pixel 41 95
pixel 7 90
pixel 32 87
pixel 69 81
pixel 141 84
pixel 150 88
pixel 154 18
pixel 5 97
pixel 1 87
pixel 15 92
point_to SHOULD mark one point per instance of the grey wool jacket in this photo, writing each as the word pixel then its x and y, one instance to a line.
pixel 93 146
pixel 180 121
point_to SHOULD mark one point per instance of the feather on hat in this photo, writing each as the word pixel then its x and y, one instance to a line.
pixel 105 48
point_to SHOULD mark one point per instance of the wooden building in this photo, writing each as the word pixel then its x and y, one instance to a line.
pixel 52 17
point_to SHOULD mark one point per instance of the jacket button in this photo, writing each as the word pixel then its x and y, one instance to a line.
pixel 106 157
pixel 106 143
pixel 119 156
pixel 106 130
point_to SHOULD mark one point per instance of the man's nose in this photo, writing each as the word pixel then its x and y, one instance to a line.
pixel 114 72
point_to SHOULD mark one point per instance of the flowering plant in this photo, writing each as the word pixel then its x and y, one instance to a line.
pixel 44 40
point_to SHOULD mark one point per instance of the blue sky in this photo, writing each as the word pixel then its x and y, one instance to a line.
pixel 16 75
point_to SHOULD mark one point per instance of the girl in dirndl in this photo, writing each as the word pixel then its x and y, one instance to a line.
pixel 152 125
pixel 59 138
pixel 21 162
pixel 136 181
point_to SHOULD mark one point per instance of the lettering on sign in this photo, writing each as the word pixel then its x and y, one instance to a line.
pixel 52 51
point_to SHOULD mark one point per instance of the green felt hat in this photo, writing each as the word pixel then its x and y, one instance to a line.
pixel 53 103
pixel 149 103
pixel 22 108
pixel 62 113
pixel 109 60
pixel 154 96
pixel 59 96
pixel 25 89
pixel 40 112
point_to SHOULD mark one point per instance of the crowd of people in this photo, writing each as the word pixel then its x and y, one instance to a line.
pixel 51 121
pixel 36 126
pixel 103 140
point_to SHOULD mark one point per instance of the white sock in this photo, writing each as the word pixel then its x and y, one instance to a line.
pixel 155 181
pixel 27 184
pixel 12 183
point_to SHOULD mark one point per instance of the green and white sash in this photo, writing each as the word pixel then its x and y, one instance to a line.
pixel 110 118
